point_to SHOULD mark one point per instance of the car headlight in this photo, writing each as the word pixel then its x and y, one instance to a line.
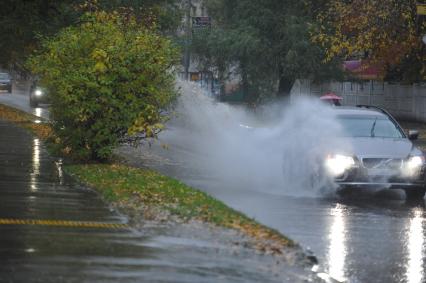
pixel 38 92
pixel 338 164
pixel 413 165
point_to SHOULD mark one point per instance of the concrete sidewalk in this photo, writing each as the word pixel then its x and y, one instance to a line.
pixel 53 230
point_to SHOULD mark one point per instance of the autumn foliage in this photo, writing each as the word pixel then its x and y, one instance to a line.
pixel 386 32
pixel 109 80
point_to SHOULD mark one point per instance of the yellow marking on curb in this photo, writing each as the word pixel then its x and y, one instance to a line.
pixel 62 223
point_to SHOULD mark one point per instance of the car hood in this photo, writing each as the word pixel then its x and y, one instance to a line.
pixel 5 81
pixel 382 147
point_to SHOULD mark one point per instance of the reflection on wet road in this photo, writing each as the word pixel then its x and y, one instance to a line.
pixel 36 164
pixel 377 240
pixel 369 237
pixel 415 247
pixel 337 245
pixel 40 112
pixel 52 230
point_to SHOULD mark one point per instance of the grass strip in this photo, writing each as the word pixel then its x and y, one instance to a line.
pixel 25 120
pixel 123 184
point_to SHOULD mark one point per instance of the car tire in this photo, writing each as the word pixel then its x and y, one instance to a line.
pixel 9 90
pixel 414 194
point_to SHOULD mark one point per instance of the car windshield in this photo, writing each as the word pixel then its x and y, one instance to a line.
pixel 369 126
pixel 4 76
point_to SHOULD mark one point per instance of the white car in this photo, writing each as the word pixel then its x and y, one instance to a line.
pixel 6 82
pixel 382 154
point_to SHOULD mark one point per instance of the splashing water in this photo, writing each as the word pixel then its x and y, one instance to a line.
pixel 276 148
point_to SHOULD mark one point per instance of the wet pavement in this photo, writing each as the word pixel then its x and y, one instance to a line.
pixel 53 230
pixel 370 237
pixel 365 237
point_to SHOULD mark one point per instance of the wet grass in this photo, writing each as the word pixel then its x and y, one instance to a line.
pixel 143 187
pixel 27 121
pixel 120 183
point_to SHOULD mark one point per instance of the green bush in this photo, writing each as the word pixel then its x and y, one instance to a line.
pixel 109 80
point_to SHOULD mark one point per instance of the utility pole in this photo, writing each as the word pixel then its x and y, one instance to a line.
pixel 421 13
pixel 187 56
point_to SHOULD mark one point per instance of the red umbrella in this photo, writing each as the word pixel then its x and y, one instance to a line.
pixel 330 96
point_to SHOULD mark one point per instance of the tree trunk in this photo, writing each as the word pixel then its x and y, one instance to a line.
pixel 285 86
pixel 245 85
pixel 249 95
pixel 221 78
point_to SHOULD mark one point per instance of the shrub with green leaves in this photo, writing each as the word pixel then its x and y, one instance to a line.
pixel 109 80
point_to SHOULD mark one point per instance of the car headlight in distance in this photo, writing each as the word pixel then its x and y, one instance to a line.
pixel 38 92
pixel 413 165
pixel 338 164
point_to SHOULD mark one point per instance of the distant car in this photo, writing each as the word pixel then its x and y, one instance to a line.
pixel 382 154
pixel 6 82
pixel 38 95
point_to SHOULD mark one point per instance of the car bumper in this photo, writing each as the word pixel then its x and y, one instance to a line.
pixel 384 185
pixel 360 178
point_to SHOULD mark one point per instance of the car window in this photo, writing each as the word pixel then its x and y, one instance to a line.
pixel 369 127
pixel 4 76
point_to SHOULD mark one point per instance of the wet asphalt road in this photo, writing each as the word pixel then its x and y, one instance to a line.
pixel 52 230
pixel 366 237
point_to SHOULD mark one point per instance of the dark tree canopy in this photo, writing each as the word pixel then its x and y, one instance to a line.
pixel 109 79
pixel 23 23
pixel 385 33
pixel 269 42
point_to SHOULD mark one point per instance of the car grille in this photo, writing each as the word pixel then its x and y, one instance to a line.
pixel 382 163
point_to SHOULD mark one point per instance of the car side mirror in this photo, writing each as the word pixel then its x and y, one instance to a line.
pixel 413 135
